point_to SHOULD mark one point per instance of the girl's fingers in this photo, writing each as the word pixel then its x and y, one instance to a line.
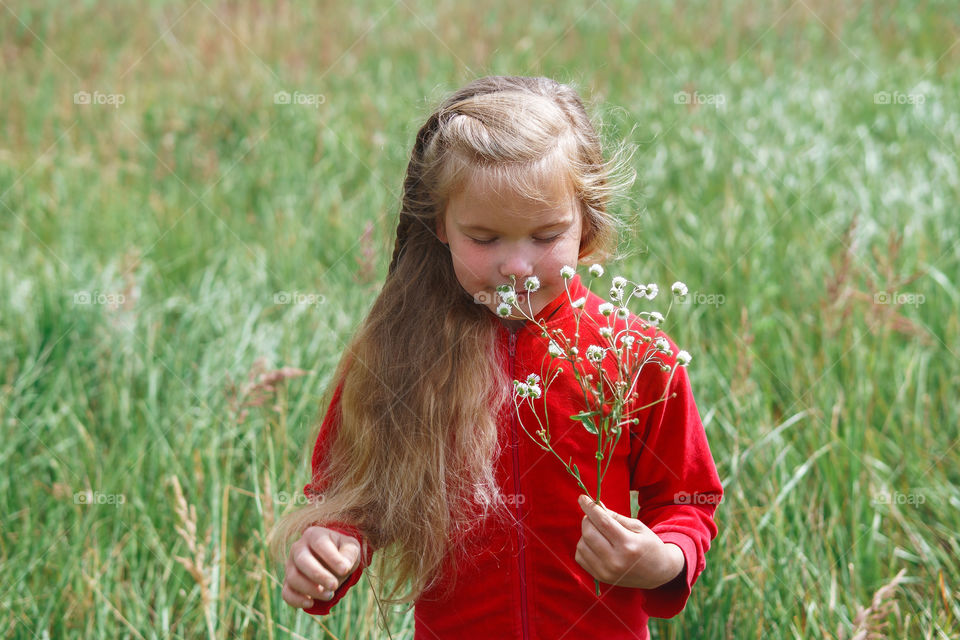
pixel 587 559
pixel 594 537
pixel 294 599
pixel 304 586
pixel 310 567
pixel 328 553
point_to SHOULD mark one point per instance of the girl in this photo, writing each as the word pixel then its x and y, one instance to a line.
pixel 420 455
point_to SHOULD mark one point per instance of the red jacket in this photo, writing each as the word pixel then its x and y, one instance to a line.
pixel 524 582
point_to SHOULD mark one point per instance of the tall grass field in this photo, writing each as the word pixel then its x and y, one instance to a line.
pixel 198 202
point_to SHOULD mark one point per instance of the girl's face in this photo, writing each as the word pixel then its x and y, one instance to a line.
pixel 493 235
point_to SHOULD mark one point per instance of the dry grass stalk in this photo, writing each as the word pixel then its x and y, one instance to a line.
pixel 261 385
pixel 195 564
pixel 269 517
pixel 742 385
pixel 842 296
pixel 871 623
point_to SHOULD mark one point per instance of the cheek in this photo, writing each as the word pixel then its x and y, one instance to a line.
pixel 565 252
pixel 469 256
pixel 469 265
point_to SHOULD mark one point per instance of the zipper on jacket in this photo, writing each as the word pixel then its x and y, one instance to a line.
pixel 519 503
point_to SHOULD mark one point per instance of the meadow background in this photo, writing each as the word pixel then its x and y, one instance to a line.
pixel 172 228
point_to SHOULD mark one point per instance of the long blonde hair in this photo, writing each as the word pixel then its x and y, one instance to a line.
pixel 412 461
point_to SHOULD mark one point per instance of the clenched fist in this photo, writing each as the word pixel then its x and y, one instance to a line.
pixel 319 562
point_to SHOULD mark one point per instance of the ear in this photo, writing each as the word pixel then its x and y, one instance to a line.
pixel 442 230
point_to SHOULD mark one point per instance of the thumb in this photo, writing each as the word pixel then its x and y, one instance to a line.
pixel 349 549
pixel 631 524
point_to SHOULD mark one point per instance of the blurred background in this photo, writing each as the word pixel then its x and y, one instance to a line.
pixel 197 206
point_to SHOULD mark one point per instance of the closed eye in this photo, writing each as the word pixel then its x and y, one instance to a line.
pixel 478 241
pixel 552 238
pixel 547 240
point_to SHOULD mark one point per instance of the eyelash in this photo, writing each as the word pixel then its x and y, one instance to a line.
pixel 541 240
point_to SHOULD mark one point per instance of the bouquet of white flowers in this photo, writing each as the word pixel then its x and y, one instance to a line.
pixel 608 397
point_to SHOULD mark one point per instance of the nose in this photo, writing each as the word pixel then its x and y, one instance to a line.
pixel 517 263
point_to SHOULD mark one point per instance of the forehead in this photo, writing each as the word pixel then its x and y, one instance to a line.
pixel 485 201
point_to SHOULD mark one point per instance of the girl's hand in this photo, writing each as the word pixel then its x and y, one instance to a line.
pixel 623 551
pixel 319 562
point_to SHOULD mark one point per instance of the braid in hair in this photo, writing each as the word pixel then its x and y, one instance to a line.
pixel 412 185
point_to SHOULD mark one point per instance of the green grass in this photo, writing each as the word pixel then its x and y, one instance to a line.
pixel 786 211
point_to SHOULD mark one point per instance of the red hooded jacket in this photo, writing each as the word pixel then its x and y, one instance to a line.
pixel 523 581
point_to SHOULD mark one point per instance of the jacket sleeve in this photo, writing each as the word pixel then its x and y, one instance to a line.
pixel 677 483
pixel 314 490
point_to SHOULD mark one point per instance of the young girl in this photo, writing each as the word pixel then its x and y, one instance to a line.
pixel 421 456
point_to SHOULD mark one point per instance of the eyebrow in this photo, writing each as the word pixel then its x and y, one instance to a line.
pixel 481 228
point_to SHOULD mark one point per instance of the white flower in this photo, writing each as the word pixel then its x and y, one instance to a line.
pixel 567 272
pixel 616 294
pixel 555 349
pixel 579 302
pixel 509 296
pixel 533 390
pixel 683 358
pixel 606 332
pixel 655 318
pixel 532 283
pixel 503 310
pixel 594 353
pixel 519 388
pixel 606 309
pixel 533 379
pixel 627 340
pixel 652 290
pixel 619 282
pixel 596 270
pixel 640 291
pixel 678 288
pixel 662 345
pixel 622 313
